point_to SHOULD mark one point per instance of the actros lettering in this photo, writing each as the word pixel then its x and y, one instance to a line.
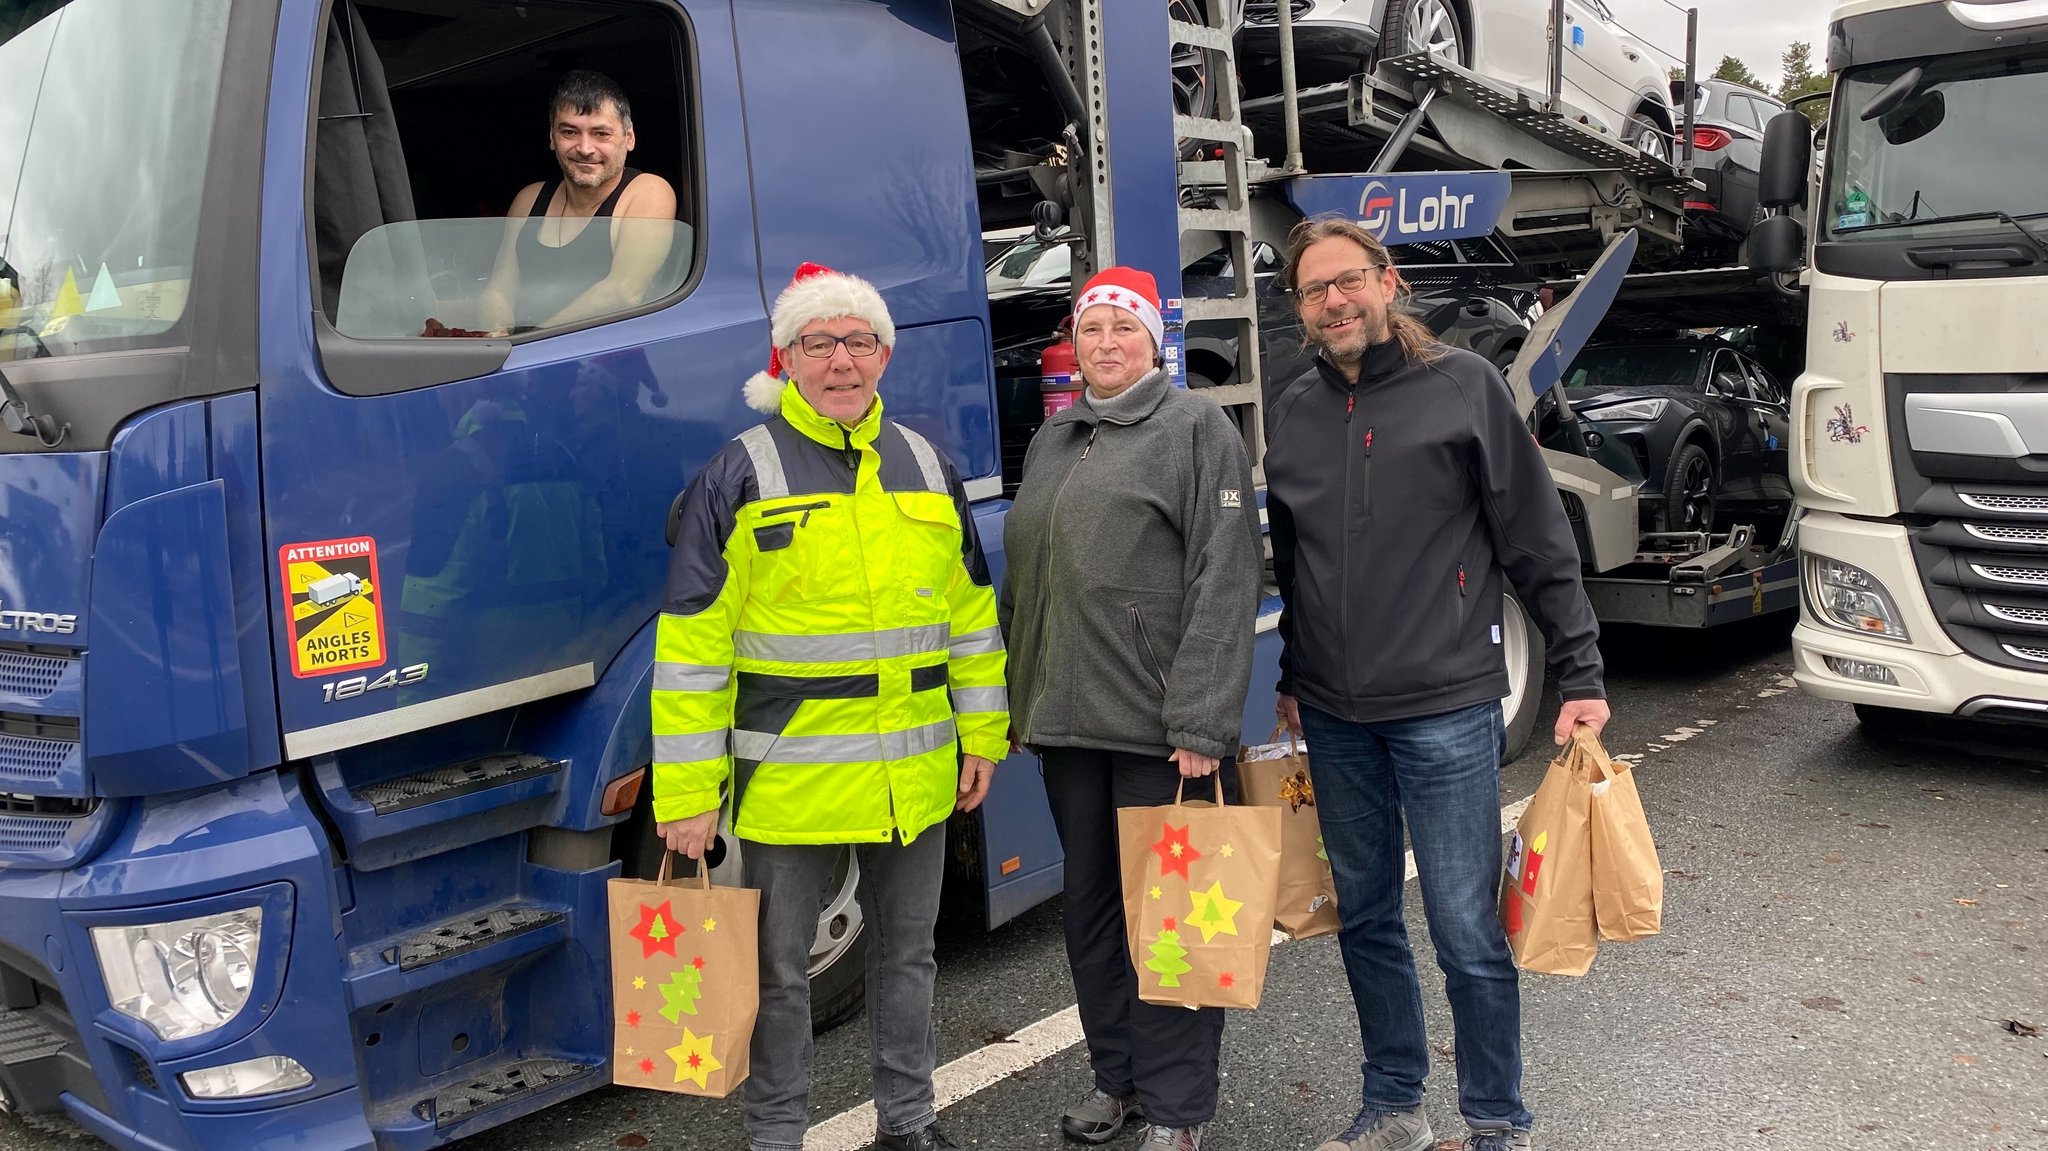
pixel 48 623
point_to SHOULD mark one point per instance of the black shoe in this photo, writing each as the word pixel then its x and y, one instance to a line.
pixel 926 1138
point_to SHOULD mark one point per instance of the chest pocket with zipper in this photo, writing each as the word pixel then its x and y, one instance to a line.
pixel 924 558
pixel 805 548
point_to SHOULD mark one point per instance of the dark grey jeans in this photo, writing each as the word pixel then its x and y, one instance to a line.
pixel 899 903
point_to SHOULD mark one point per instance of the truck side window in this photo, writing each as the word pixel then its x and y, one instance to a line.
pixel 435 211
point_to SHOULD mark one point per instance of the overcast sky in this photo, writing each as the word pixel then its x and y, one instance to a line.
pixel 1754 31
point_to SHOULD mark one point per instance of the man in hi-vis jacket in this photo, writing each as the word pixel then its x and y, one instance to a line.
pixel 828 645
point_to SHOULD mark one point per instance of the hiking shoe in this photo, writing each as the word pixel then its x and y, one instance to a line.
pixel 1377 1130
pixel 926 1138
pixel 1098 1117
pixel 1498 1141
pixel 1176 1138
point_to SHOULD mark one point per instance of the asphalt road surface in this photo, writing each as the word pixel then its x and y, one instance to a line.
pixel 1855 947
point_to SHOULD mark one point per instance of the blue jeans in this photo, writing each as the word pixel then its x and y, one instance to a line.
pixel 1440 774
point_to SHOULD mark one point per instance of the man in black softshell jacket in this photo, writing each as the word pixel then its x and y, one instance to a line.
pixel 1404 490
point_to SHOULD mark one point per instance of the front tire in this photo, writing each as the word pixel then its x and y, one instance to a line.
pixel 1689 490
pixel 1523 647
pixel 1647 137
pixel 1432 26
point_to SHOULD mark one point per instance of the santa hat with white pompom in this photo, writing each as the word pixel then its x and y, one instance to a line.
pixel 815 292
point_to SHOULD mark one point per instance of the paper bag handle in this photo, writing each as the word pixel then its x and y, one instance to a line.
pixel 1216 775
pixel 666 876
pixel 1293 741
pixel 1586 743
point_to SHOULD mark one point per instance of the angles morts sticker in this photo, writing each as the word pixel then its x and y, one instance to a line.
pixel 335 607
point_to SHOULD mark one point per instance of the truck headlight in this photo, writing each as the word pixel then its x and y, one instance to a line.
pixel 263 1075
pixel 1631 411
pixel 184 978
pixel 1847 597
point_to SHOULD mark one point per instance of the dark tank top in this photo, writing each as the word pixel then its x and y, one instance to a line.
pixel 551 277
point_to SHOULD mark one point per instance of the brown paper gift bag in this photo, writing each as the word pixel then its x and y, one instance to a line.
pixel 1546 895
pixel 686 983
pixel 1199 887
pixel 1275 775
pixel 1628 879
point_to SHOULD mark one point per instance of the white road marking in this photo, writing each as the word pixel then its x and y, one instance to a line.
pixel 978 1070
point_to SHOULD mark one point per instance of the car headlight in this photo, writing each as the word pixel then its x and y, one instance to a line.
pixel 184 978
pixel 1631 411
pixel 1847 597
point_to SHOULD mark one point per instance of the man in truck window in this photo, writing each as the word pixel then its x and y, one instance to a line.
pixel 569 252
pixel 828 645
pixel 1402 487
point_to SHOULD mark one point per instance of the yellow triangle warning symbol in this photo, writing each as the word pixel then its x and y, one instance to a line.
pixel 351 619
pixel 69 303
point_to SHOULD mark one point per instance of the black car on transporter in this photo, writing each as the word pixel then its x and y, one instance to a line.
pixel 1699 422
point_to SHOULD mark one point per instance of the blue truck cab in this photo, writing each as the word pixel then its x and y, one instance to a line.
pixel 326 607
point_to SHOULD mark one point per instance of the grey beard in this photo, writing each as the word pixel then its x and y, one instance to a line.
pixel 1348 358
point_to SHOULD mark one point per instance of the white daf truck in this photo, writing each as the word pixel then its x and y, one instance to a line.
pixel 1920 427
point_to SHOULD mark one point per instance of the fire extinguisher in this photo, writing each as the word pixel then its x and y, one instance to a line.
pixel 1059 377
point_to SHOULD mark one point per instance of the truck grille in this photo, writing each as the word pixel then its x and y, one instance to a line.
pixel 27 760
pixel 1979 531
pixel 30 674
pixel 2032 616
pixel 2011 505
pixel 2008 534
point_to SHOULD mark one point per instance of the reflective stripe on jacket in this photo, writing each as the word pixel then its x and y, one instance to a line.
pixel 828 631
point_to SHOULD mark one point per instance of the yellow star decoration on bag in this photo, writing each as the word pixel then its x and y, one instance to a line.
pixel 693 1059
pixel 1215 913
pixel 1227 851
pixel 630 1053
pixel 639 983
pixel 710 925
pixel 1155 891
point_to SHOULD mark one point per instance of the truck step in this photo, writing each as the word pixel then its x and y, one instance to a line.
pixel 461 936
pixel 501 1085
pixel 23 1040
pixel 435 784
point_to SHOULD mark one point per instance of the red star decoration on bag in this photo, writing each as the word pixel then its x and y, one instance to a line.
pixel 698 963
pixel 647 1067
pixel 1175 852
pixel 1169 923
pixel 1226 981
pixel 695 1061
pixel 657 931
pixel 632 1019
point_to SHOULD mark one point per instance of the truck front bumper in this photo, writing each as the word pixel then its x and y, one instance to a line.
pixel 252 843
pixel 1930 673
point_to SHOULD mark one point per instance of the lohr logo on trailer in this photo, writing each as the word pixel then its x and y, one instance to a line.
pixel 1407 208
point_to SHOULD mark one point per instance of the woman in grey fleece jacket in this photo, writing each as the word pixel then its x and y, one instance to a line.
pixel 1128 610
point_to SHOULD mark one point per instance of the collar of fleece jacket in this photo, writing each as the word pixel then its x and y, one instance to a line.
pixel 1381 360
pixel 833 434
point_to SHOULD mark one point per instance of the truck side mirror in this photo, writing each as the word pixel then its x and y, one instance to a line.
pixel 1787 160
pixel 1777 244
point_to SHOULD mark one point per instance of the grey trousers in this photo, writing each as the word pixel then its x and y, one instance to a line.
pixel 899 904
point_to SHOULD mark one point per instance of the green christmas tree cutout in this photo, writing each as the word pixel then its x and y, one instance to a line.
pixel 1169 959
pixel 680 994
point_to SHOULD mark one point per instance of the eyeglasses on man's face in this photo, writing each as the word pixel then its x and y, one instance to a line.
pixel 820 346
pixel 1350 283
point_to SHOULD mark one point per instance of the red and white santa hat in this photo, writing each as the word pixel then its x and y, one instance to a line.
pixel 815 292
pixel 1127 288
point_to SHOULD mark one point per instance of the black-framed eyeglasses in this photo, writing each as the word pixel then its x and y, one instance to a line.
pixel 1350 283
pixel 821 346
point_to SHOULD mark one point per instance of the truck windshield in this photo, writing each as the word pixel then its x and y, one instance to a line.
pixel 104 131
pixel 1944 160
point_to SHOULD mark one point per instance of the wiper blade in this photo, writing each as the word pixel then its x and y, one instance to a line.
pixel 42 349
pixel 16 416
pixel 2033 241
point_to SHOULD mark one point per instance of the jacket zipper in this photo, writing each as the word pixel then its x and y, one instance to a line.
pixel 1344 547
pixel 1052 520
pixel 792 509
pixel 1150 657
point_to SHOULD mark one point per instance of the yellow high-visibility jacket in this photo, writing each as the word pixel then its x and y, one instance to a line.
pixel 828 632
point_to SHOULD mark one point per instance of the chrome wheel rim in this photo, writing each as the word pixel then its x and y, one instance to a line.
pixel 1515 648
pixel 839 924
pixel 1431 26
pixel 1651 142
